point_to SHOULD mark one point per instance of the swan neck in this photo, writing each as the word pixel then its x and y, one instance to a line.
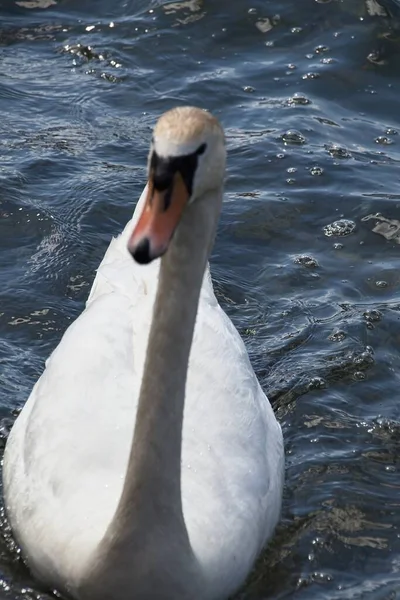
pixel 155 462
pixel 148 529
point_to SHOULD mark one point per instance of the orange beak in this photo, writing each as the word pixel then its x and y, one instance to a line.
pixel 161 214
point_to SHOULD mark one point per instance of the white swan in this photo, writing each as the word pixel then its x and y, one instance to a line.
pixel 135 470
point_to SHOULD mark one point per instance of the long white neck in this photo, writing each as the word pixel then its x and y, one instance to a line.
pixel 147 538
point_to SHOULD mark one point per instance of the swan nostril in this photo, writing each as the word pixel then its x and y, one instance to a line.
pixel 141 252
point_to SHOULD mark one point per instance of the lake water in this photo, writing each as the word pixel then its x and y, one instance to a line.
pixel 306 261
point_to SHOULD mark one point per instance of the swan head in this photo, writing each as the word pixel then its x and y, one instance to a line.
pixel 186 161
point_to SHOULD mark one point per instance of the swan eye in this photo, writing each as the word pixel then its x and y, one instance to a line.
pixel 201 149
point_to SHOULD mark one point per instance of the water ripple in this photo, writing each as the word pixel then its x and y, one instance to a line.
pixel 306 259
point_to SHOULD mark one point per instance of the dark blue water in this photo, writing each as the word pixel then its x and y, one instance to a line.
pixel 309 94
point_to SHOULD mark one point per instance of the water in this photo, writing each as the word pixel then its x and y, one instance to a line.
pixel 308 92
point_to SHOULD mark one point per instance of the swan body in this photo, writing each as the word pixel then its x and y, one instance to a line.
pixel 205 502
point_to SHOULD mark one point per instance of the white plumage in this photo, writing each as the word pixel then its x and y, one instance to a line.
pixel 67 455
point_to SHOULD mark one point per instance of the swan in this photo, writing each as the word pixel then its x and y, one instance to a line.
pixel 147 463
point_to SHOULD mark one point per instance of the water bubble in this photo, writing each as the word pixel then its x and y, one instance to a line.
pixel 337 336
pixel 359 375
pixel 248 88
pixel 375 57
pixel 320 49
pixel 383 140
pixel 338 151
pixel 381 284
pixel 252 11
pixel 338 246
pixel 291 170
pixel 340 228
pixel 391 131
pixel 317 383
pixel 364 359
pixel 306 261
pixel 264 25
pixel 322 577
pixel 280 155
pixel 327 61
pixel 318 541
pixel 298 99
pixel 372 315
pixel 291 136
pixel 311 76
pixel 316 170
pixel 291 181
pixel 80 50
pixel 291 67
pixel 110 77
pixel 296 29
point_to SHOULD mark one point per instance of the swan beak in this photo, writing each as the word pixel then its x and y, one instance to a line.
pixel 156 225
